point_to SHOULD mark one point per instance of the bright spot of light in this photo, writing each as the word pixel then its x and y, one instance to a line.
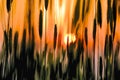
pixel 71 38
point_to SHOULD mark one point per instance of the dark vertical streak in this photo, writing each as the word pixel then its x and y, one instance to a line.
pixel 40 23
pixel 83 10
pixel 99 13
pixel 86 36
pixel 114 16
pixel 76 13
pixel 55 35
pixel 46 4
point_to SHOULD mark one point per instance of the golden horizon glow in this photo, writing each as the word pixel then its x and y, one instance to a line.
pixel 60 12
pixel 71 38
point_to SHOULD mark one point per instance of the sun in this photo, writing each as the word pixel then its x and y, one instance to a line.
pixel 71 37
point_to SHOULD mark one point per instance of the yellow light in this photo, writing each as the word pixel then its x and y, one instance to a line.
pixel 71 37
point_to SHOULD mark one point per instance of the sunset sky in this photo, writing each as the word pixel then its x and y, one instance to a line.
pixel 59 12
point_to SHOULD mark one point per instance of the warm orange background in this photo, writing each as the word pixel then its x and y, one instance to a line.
pixel 61 14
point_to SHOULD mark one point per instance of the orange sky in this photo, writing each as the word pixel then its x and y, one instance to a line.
pixel 61 15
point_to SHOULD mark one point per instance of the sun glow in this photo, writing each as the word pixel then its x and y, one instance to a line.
pixel 71 37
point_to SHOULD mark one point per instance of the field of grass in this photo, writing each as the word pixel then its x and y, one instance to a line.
pixel 21 61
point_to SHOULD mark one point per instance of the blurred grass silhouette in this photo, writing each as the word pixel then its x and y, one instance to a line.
pixel 21 61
